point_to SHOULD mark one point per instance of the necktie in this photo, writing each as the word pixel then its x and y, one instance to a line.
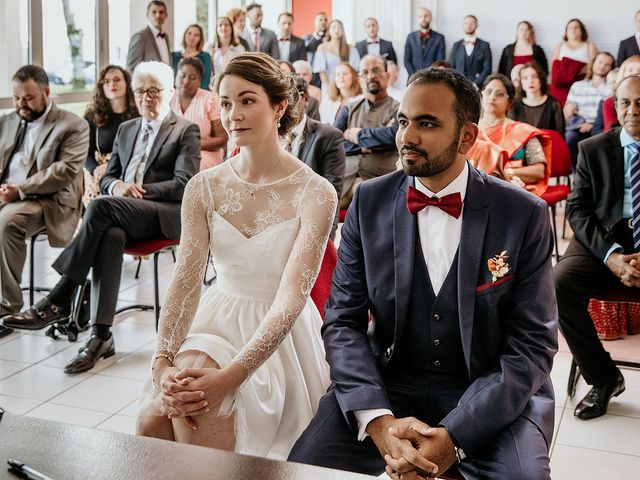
pixel 137 159
pixel 635 193
pixel 451 204
pixel 256 40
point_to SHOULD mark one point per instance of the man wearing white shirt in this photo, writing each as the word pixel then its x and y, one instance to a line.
pixel 292 48
pixel 374 45
pixel 260 39
pixel 471 55
pixel 153 158
pixel 42 151
pixel 151 43
pixel 630 46
pixel 441 325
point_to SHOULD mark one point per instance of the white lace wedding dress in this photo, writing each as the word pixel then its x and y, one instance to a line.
pixel 267 242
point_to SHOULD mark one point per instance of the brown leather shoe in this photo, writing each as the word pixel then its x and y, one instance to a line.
pixel 596 402
pixel 88 356
pixel 40 315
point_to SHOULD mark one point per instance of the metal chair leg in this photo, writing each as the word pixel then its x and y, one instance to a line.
pixel 552 209
pixel 574 376
pixel 138 269
pixel 32 249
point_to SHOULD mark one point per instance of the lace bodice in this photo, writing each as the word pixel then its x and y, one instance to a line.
pixel 267 242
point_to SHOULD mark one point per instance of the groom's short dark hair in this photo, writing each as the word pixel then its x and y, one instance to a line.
pixel 467 104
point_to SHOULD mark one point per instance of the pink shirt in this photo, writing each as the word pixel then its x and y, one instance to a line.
pixel 202 110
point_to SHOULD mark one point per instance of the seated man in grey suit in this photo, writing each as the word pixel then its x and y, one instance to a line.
pixel 151 43
pixel 318 145
pixel 260 39
pixel 153 159
pixel 42 150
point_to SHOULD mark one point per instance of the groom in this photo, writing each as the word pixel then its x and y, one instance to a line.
pixel 454 365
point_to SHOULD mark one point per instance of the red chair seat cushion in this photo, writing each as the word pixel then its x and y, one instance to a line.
pixel 616 312
pixel 149 247
pixel 555 194
pixel 342 215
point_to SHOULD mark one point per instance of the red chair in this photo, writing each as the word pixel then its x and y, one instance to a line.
pixel 343 214
pixel 322 287
pixel 560 168
pixel 155 248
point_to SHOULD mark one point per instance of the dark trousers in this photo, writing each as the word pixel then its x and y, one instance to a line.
pixel 579 275
pixel 518 452
pixel 108 224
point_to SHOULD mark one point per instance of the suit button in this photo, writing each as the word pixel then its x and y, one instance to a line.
pixel 436 343
pixel 436 317
pixel 436 363
pixel 387 352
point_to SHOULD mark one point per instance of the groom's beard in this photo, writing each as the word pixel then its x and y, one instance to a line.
pixel 432 165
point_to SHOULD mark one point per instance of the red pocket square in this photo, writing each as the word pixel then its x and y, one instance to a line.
pixel 489 285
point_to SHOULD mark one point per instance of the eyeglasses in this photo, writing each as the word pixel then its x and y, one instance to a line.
pixel 152 92
pixel 374 72
pixel 496 93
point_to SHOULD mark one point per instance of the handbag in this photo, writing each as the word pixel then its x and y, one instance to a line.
pixel 92 182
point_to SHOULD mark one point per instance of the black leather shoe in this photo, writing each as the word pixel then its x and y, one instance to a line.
pixel 4 331
pixel 88 356
pixel 40 315
pixel 595 403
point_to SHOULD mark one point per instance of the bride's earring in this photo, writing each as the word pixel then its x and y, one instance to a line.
pixel 279 123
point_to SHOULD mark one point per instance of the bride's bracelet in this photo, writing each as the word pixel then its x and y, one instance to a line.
pixel 153 367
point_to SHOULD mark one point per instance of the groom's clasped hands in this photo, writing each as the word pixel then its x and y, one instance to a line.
pixel 411 448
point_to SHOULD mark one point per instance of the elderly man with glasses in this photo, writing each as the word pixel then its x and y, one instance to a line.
pixel 154 157
pixel 369 125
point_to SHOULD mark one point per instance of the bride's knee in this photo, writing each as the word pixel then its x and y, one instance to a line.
pixel 153 426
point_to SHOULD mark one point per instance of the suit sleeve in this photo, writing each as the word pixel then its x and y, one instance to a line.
pixel 408 57
pixel 354 369
pixel 621 55
pixel 392 53
pixel 503 66
pixel 274 51
pixel 581 208
pixel 70 156
pixel 441 54
pixel 187 163
pixel 452 56
pixel 136 52
pixel 497 398
pixel 486 67
pixel 332 160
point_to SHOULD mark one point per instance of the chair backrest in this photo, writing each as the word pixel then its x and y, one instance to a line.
pixel 322 287
pixel 560 155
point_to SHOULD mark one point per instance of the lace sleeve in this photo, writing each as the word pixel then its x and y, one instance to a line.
pixel 183 294
pixel 316 211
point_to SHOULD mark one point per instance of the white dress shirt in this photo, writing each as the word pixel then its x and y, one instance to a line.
pixel 439 235
pixel 19 163
pixel 284 46
pixel 471 45
pixel 163 47
pixel 373 48
pixel 139 167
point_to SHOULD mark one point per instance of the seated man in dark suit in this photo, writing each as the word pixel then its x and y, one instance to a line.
pixel 318 145
pixel 441 325
pixel 630 46
pixel 604 213
pixel 291 48
pixel 471 55
pixel 42 150
pixel 424 46
pixel 153 159
pixel 373 45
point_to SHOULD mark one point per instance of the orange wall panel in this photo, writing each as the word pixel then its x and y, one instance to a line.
pixel 304 11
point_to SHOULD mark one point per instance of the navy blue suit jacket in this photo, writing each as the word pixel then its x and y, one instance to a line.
pixel 627 48
pixel 479 64
pixel 415 58
pixel 508 328
pixel 386 49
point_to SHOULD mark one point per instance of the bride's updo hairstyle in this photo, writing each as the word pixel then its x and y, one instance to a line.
pixel 260 69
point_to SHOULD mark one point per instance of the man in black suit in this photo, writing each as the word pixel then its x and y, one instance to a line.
pixel 151 43
pixel 630 46
pixel 471 55
pixel 318 145
pixel 259 39
pixel 605 219
pixel 313 40
pixel 291 48
pixel 373 45
pixel 154 157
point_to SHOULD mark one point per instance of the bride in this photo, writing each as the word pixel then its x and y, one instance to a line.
pixel 243 368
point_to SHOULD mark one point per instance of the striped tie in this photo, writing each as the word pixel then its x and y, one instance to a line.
pixel 138 156
pixel 635 193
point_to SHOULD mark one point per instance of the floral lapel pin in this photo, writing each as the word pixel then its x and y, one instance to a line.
pixel 498 266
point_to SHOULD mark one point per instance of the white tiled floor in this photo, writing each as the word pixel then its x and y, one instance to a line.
pixel 33 383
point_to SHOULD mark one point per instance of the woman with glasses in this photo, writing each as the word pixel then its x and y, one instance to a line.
pixel 515 151
pixel 192 43
pixel 201 107
pixel 111 104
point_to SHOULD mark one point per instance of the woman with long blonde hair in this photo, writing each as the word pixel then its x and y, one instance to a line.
pixel 332 52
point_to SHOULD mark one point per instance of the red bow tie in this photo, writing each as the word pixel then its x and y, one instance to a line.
pixel 283 39
pixel 424 35
pixel 451 204
pixel 373 41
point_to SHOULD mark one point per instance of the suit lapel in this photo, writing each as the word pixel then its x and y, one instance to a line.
pixel 10 138
pixel 165 130
pixel 617 164
pixel 152 39
pixel 474 226
pixel 45 130
pixel 404 237
pixel 310 137
pixel 130 144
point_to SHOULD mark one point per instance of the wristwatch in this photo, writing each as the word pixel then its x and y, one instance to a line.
pixel 460 455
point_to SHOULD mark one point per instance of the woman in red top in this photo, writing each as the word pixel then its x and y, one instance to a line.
pixel 523 50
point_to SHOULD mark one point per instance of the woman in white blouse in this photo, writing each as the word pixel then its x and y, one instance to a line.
pixel 225 45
